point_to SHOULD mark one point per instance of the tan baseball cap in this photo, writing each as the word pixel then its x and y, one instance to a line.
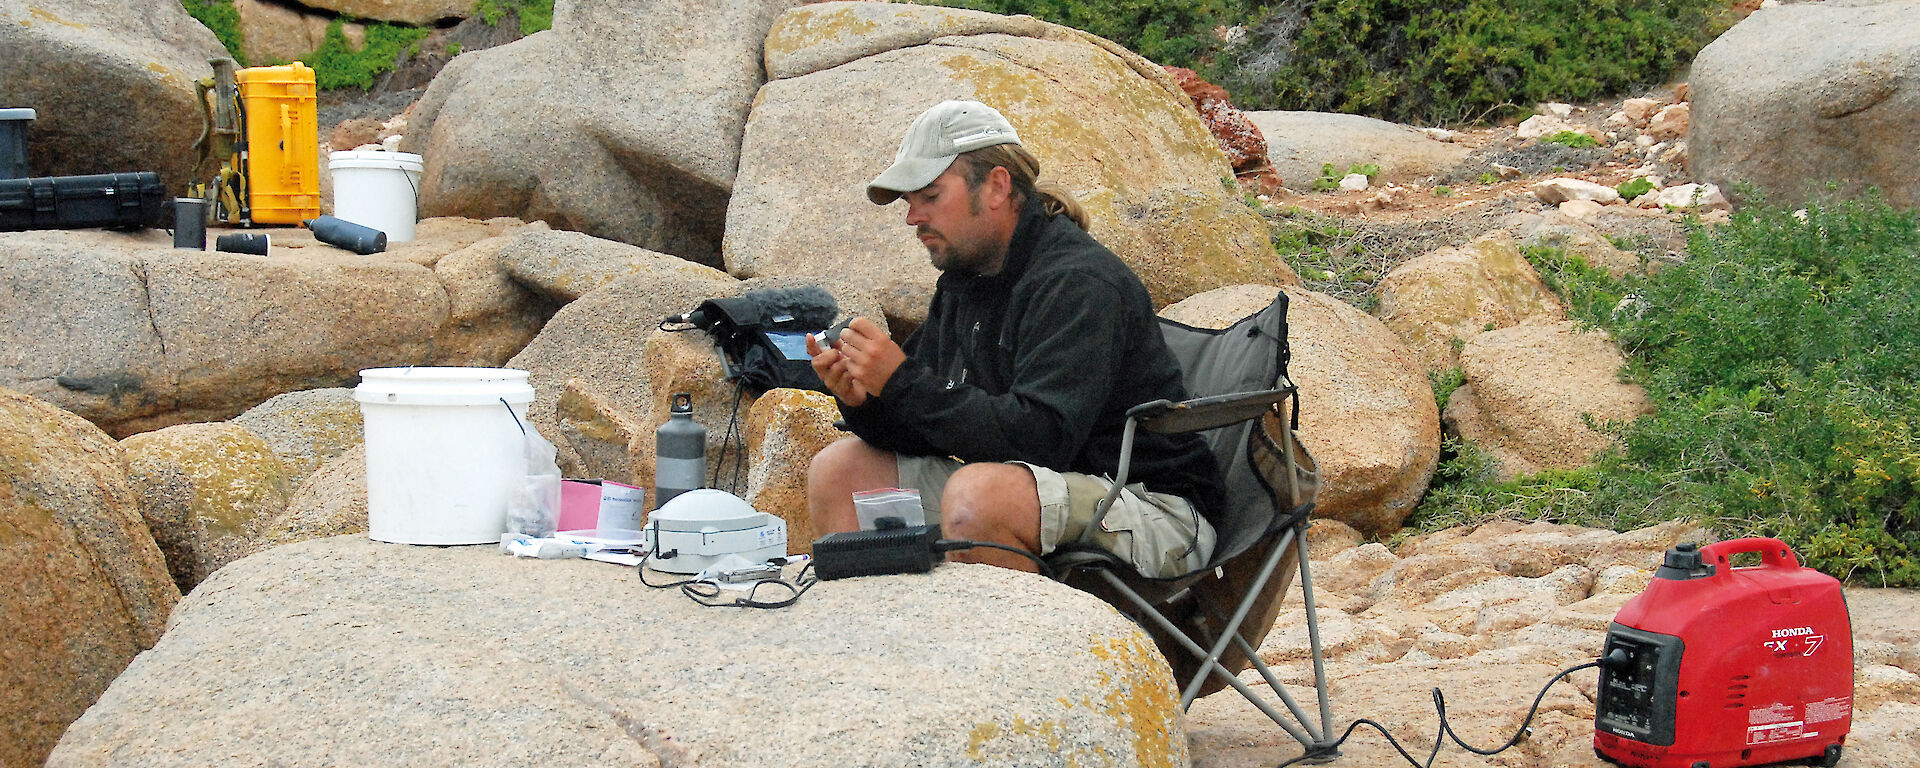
pixel 936 137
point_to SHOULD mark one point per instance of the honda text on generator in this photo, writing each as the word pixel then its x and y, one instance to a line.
pixel 1715 666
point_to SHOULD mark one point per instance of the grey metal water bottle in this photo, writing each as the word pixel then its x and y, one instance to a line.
pixel 680 453
pixel 347 235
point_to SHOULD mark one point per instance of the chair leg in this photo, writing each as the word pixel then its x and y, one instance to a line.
pixel 1231 630
pixel 1313 640
pixel 1321 738
pixel 1318 742
pixel 1279 689
pixel 1212 667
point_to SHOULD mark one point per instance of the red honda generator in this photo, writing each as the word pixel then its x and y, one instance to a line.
pixel 1715 666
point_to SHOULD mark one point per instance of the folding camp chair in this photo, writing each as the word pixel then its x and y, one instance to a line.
pixel 1208 623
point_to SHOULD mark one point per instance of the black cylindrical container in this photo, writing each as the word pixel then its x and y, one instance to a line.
pixel 243 242
pixel 341 233
pixel 190 223
pixel 680 453
pixel 13 142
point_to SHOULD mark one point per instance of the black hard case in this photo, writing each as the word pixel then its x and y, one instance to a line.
pixel 126 200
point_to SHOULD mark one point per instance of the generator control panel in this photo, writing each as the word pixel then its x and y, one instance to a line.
pixel 1639 681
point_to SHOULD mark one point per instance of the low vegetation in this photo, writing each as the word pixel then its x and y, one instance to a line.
pixel 1572 139
pixel 1413 61
pixel 223 19
pixel 337 64
pixel 1631 190
pixel 1330 176
pixel 532 15
pixel 1452 61
pixel 1783 357
pixel 1346 256
pixel 1425 62
pixel 1175 32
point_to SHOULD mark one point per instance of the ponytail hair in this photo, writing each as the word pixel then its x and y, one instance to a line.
pixel 1024 169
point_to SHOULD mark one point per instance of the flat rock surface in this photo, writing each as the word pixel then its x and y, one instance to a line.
pixel 1300 144
pixel 345 651
pixel 1488 614
pixel 134 335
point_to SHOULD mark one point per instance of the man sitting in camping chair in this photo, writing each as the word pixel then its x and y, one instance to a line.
pixel 1006 408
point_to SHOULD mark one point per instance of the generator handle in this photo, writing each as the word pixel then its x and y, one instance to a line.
pixel 1774 553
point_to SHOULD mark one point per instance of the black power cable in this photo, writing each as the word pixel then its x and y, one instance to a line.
pixel 706 592
pixel 1446 729
pixel 727 445
pixel 641 569
pixel 955 545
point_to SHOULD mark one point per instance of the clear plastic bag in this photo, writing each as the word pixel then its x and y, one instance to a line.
pixel 902 504
pixel 533 509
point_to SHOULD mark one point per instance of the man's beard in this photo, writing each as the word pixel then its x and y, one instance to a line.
pixel 973 258
pixel 948 256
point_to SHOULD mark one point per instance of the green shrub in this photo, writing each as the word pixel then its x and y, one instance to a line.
pixel 1571 139
pixel 491 11
pixel 1783 357
pixel 224 19
pixel 337 65
pixel 1176 32
pixel 534 15
pixel 1588 291
pixel 1330 176
pixel 1445 383
pixel 1450 61
pixel 1632 190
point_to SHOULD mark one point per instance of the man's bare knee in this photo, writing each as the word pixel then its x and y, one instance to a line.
pixel 836 472
pixel 994 503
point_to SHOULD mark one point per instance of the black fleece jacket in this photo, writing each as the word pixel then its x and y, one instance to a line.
pixel 1039 363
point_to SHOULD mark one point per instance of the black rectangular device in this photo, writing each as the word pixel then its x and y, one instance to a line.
pixel 911 549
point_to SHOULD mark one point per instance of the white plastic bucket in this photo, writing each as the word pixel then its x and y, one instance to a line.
pixel 377 189
pixel 444 453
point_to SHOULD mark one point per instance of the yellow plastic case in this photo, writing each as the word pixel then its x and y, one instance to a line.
pixel 283 143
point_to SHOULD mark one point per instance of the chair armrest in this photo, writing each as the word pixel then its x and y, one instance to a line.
pixel 1203 413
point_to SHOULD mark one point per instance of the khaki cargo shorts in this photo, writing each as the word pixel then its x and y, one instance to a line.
pixel 1158 533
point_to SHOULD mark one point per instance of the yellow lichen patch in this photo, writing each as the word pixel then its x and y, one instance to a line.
pixel 989 743
pixel 1135 693
pixel 45 15
pixel 167 75
pixel 233 475
pixel 978 738
pixel 591 415
pixel 1143 700
pixel 1029 101
pixel 803 28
